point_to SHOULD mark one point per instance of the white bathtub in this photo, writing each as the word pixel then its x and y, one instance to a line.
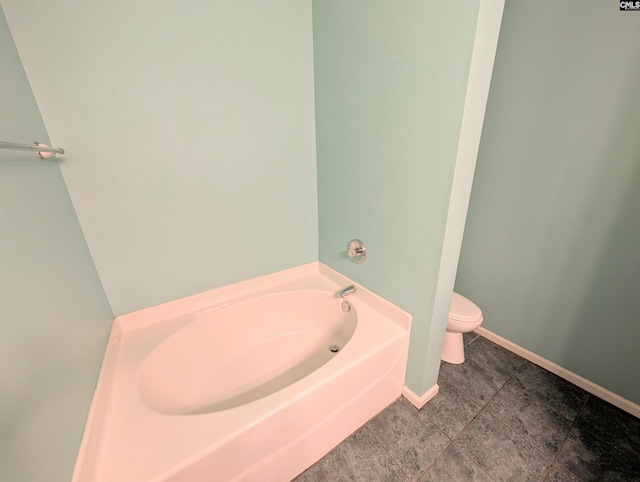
pixel 239 383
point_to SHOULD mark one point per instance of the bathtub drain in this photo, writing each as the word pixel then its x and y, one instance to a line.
pixel 334 348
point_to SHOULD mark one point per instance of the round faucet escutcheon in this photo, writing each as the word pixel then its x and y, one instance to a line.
pixel 356 251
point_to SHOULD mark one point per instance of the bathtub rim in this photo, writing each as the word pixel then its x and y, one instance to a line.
pixel 225 296
pixel 88 459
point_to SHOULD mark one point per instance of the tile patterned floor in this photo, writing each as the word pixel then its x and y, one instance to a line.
pixel 497 417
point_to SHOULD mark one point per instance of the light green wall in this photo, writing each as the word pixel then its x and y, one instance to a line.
pixel 54 315
pixel 550 250
pixel 390 83
pixel 189 128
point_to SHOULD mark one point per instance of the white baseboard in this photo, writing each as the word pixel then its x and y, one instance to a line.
pixel 420 401
pixel 597 390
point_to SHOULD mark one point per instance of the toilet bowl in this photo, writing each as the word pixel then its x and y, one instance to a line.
pixel 464 316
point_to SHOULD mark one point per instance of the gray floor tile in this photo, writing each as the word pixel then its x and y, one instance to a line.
pixel 486 368
pixel 451 410
pixel 501 452
pixel 606 420
pixel 478 382
pixel 530 418
pixel 455 465
pixel 559 474
pixel 488 354
pixel 312 474
pixel 413 441
pixel 594 457
pixel 564 397
pixel 360 458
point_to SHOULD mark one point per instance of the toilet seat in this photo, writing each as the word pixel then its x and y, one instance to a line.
pixel 464 310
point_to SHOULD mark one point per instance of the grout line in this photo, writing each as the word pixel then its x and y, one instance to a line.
pixel 556 455
pixel 436 459
pixel 474 338
pixel 504 424
pixel 467 453
pixel 556 458
pixel 526 439
pixel 393 459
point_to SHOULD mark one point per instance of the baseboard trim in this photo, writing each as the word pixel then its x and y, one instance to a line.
pixel 594 389
pixel 420 401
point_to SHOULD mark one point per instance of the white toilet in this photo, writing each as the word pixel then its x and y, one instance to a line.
pixel 464 316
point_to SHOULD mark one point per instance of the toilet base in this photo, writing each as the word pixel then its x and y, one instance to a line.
pixel 453 348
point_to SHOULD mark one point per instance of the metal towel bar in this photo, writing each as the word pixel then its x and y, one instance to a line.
pixel 42 150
